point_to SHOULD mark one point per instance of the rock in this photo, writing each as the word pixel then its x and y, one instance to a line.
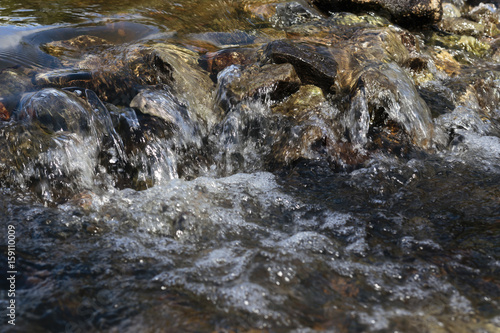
pixel 384 96
pixel 313 64
pixel 457 42
pixel 13 84
pixel 224 39
pixel 74 46
pixel 277 81
pixel 164 105
pixel 56 110
pixel 461 26
pixel 4 113
pixel 404 12
pixel 308 99
pixel 450 10
pixel 292 13
pixel 190 82
pixel 215 62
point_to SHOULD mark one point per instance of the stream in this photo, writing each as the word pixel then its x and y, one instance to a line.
pixel 248 166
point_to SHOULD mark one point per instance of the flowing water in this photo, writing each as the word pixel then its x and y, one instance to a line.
pixel 185 208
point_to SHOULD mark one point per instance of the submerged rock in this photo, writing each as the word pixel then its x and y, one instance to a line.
pixel 404 12
pixel 56 110
pixel 73 46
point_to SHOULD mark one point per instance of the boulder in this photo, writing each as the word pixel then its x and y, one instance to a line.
pixel 314 65
pixel 404 12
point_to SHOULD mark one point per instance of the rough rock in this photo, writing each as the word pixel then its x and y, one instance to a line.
pixel 307 99
pixel 73 46
pixel 313 64
pixel 278 81
pixel 404 12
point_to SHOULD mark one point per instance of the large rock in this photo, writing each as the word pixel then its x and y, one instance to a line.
pixel 404 12
pixel 311 64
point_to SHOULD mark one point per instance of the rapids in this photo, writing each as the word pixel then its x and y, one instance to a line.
pixel 159 179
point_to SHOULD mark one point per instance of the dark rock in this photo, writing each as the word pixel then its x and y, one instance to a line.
pixel 311 64
pixel 277 81
pixel 13 83
pixel 404 12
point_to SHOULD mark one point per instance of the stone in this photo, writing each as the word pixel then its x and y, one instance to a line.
pixel 461 26
pixel 56 110
pixel 450 10
pixel 13 83
pixel 313 65
pixel 277 81
pixel 73 46
pixel 164 105
pixel 190 82
pixel 224 39
pixel 293 13
pixel 307 99
pixel 404 12
pixel 4 113
pixel 215 62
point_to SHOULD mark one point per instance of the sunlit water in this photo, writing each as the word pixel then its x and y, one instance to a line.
pixel 207 235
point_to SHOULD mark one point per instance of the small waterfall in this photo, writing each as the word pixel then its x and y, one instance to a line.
pixel 385 92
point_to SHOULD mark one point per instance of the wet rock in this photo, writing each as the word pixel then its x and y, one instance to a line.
pixel 277 81
pixel 56 110
pixel 444 61
pixel 467 43
pixel 164 105
pixel 307 99
pixel 74 46
pixel 450 11
pixel 224 39
pixel 13 84
pixel 63 77
pixel 215 62
pixel 4 113
pixel 261 11
pixel 190 82
pixel 384 97
pixel 404 12
pixel 292 13
pixel 461 26
pixel 313 65
pixel 378 44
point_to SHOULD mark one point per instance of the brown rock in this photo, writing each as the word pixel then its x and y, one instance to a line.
pixel 4 113
pixel 276 80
